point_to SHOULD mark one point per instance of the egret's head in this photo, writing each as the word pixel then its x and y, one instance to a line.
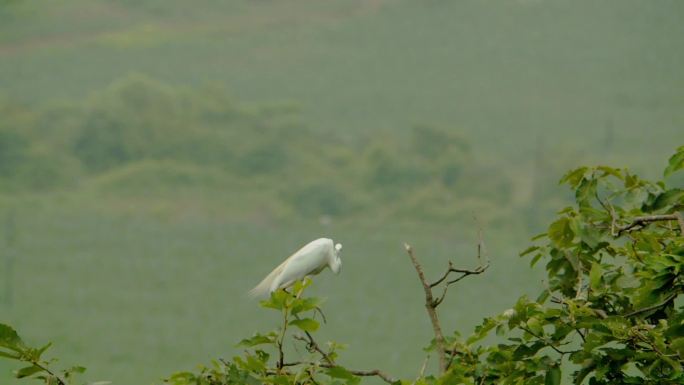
pixel 336 263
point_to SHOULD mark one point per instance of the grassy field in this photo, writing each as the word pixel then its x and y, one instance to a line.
pixel 134 280
pixel 134 296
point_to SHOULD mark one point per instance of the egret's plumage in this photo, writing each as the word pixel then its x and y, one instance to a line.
pixel 309 260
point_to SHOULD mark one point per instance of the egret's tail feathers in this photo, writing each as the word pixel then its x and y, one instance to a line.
pixel 264 287
pixel 261 290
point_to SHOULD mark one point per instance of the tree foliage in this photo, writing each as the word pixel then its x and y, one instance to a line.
pixel 138 121
pixel 265 362
pixel 609 313
pixel 35 366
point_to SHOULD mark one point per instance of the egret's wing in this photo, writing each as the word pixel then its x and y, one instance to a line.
pixel 300 265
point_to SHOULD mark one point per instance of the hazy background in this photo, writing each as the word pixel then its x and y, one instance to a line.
pixel 158 158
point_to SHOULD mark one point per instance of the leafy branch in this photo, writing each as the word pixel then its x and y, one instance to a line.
pixel 643 221
pixel 14 348
pixel 255 365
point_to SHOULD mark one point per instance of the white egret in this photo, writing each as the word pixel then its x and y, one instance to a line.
pixel 309 260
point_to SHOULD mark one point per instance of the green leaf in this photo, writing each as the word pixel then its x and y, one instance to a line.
pixel 561 232
pixel 27 371
pixel 585 192
pixel 573 177
pixel 610 171
pixel 678 345
pixel 39 352
pixel 10 355
pixel 535 326
pixel 258 339
pixel 278 300
pixel 675 163
pixel 339 372
pixel 553 376
pixel 306 324
pixel 631 181
pixel 595 275
pixel 77 369
pixel 304 304
pixel 10 339
pixel 300 285
pixel 539 236
pixel 535 259
pixel 482 330
pixel 667 199
pixel 543 296
pixel 528 250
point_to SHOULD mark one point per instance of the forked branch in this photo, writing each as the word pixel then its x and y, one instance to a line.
pixel 431 302
pixel 431 310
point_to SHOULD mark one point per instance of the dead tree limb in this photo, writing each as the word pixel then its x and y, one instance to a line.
pixel 431 302
pixel 431 307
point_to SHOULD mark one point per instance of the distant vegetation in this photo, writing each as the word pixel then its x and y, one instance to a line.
pixel 141 136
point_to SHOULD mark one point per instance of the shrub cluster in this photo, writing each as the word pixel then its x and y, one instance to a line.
pixel 140 129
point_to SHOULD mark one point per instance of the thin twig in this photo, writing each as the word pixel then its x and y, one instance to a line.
pixel 580 334
pixel 60 380
pixel 546 342
pixel 580 273
pixel 446 274
pixel 279 341
pixel 652 307
pixel 422 368
pixel 312 346
pixel 464 273
pixel 320 311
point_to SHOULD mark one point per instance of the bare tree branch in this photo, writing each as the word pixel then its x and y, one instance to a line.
pixel 464 273
pixel 431 302
pixel 431 309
